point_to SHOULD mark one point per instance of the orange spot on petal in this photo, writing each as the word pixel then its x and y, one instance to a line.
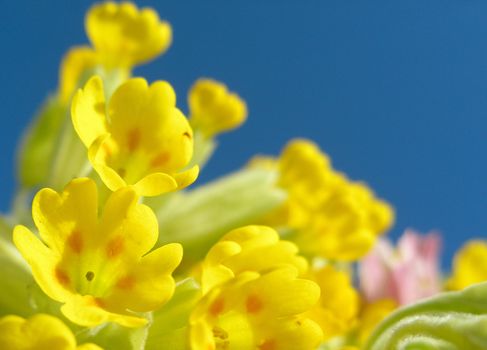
pixel 100 107
pixel 160 160
pixel 62 277
pixel 127 282
pixel 75 242
pixel 268 345
pixel 217 307
pixel 253 304
pixel 107 150
pixel 98 302
pixel 115 247
pixel 133 139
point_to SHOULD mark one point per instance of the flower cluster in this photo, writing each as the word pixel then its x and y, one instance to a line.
pixel 120 251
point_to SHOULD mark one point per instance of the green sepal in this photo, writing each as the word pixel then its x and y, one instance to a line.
pixel 39 142
pixel 169 327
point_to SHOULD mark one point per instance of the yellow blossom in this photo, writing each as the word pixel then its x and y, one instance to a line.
pixel 213 109
pixel 98 267
pixel 139 138
pixel 123 36
pixel 38 332
pixel 337 310
pixel 257 311
pixel 250 248
pixel 346 225
pixel 331 216
pixel 469 265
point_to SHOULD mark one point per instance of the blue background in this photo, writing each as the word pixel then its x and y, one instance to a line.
pixel 394 91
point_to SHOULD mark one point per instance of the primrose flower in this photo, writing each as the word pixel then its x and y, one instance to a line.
pixel 406 274
pixel 213 109
pixel 331 216
pixel 98 267
pixel 338 307
pixel 38 332
pixel 123 36
pixel 139 138
pixel 250 248
pixel 469 265
pixel 257 311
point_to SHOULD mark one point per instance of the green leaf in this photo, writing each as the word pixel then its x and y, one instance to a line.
pixel 449 321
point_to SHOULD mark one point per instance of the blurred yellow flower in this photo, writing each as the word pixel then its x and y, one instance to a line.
pixel 38 332
pixel 257 311
pixel 123 36
pixel 469 265
pixel 140 138
pixel 98 267
pixel 337 310
pixel 213 109
pixel 332 217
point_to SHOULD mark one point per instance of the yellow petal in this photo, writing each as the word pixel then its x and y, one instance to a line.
pixel 38 332
pixel 134 226
pixel 74 212
pixel 155 184
pixel 43 263
pixel 295 295
pixel 186 178
pixel 96 156
pixel 77 62
pixel 88 111
pixel 87 311
pixel 150 284
pixel 291 334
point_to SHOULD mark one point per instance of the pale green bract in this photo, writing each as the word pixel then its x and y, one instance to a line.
pixel 449 321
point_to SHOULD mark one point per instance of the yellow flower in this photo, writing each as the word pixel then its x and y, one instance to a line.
pixel 213 109
pixel 38 332
pixel 140 138
pixel 98 267
pixel 123 36
pixel 331 216
pixel 76 63
pixel 257 311
pixel 250 248
pixel 469 265
pixel 337 310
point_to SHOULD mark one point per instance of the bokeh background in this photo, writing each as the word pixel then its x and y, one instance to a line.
pixel 394 91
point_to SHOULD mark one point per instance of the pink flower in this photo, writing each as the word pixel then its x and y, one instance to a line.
pixel 405 274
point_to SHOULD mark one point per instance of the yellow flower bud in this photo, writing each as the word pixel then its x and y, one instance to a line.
pixel 469 265
pixel 213 109
pixel 123 36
